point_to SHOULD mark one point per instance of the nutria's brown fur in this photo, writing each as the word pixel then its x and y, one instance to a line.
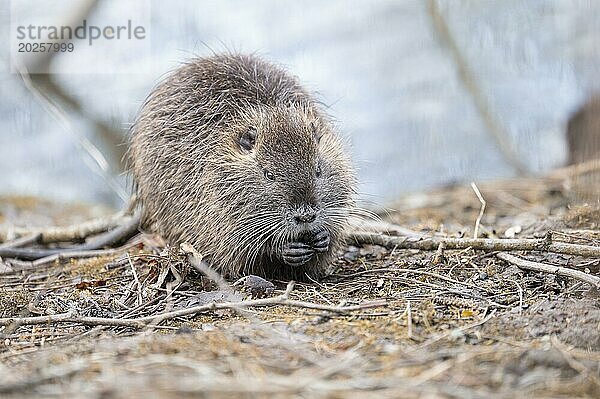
pixel 583 138
pixel 583 132
pixel 232 155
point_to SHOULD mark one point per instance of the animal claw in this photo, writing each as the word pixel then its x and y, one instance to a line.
pixel 321 241
pixel 297 253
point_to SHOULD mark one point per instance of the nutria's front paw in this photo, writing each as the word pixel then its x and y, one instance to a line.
pixel 321 241
pixel 297 253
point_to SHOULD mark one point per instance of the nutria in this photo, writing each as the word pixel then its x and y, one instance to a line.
pixel 231 154
pixel 583 132
pixel 583 139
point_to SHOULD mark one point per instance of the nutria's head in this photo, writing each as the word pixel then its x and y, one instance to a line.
pixel 292 183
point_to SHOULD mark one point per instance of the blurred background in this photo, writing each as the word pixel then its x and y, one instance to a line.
pixel 428 93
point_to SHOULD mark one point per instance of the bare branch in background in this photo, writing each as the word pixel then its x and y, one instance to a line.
pixel 112 139
pixel 97 156
pixel 52 92
pixel 493 124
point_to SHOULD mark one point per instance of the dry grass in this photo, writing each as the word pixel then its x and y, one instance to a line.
pixel 454 324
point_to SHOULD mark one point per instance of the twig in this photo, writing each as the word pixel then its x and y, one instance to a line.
pixel 201 266
pixel 439 254
pixel 70 255
pixel 33 238
pixel 110 238
pixel 481 211
pixel 140 297
pixel 55 110
pixel 71 233
pixel 557 270
pixel 520 289
pixel 195 259
pixel 484 244
pixel 140 322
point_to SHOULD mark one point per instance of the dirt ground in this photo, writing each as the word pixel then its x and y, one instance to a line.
pixel 450 324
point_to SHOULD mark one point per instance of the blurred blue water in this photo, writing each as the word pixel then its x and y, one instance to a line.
pixel 393 88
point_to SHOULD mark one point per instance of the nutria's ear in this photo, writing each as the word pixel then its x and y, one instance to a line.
pixel 248 139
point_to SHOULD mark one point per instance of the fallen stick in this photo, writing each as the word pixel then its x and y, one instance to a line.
pixel 484 244
pixel 64 234
pixel 557 270
pixel 140 322
pixel 114 237
pixel 19 266
pixel 22 241
pixel 385 228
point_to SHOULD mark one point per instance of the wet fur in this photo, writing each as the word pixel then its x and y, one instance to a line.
pixel 197 184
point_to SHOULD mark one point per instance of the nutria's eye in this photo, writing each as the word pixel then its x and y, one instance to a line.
pixel 248 139
pixel 318 172
pixel 269 175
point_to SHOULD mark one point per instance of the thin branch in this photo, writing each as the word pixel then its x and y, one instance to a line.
pixel 92 151
pixel 71 233
pixel 439 254
pixel 557 270
pixel 467 77
pixel 19 266
pixel 481 211
pixel 33 238
pixel 520 289
pixel 140 322
pixel 484 244
pixel 198 263
pixel 123 232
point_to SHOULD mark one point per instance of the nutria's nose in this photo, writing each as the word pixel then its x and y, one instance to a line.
pixel 305 215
